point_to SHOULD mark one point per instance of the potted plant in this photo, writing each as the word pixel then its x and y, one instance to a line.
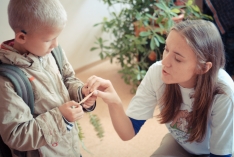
pixel 139 32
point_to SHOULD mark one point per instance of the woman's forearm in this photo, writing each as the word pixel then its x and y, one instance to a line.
pixel 121 122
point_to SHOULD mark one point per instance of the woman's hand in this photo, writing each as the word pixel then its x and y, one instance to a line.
pixel 71 111
pixel 104 89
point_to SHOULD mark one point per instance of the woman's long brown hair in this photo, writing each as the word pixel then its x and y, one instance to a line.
pixel 204 38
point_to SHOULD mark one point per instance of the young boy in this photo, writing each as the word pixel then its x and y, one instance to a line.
pixel 51 131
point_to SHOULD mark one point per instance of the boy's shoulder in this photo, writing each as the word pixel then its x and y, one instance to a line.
pixel 21 82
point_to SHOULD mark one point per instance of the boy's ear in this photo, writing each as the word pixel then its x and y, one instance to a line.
pixel 20 37
pixel 206 68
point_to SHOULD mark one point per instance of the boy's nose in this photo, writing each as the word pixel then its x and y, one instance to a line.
pixel 55 43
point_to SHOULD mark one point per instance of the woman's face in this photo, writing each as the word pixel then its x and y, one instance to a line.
pixel 179 62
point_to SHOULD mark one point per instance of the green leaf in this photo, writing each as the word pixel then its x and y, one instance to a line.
pixel 161 5
pixel 81 133
pixel 196 8
pixel 150 16
pixel 95 121
pixel 189 2
pixel 138 16
pixel 170 23
pixel 143 72
pixel 156 41
pixel 145 34
pixel 97 24
pixel 93 48
pixel 196 14
pixel 100 40
pixel 159 19
pixel 101 55
pixel 207 17
pixel 146 23
pixel 161 25
pixel 175 10
pixel 81 137
pixel 157 29
pixel 152 44
pixel 138 76
pixel 160 38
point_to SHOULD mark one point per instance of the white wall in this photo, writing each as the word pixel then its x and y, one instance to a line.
pixel 5 30
pixel 78 36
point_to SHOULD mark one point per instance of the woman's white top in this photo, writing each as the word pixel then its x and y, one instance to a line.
pixel 219 135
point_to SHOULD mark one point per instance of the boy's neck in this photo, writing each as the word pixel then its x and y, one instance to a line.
pixel 19 48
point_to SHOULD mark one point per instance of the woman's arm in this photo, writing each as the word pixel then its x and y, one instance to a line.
pixel 120 120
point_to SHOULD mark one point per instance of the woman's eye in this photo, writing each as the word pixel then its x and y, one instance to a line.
pixel 177 60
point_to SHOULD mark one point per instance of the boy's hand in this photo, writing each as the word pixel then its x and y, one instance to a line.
pixel 71 111
pixel 91 100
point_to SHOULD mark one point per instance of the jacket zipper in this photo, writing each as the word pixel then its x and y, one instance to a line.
pixel 51 80
pixel 57 92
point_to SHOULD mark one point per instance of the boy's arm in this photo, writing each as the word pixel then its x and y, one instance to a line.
pixel 73 84
pixel 19 130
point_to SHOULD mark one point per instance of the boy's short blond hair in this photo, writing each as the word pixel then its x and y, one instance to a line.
pixel 31 15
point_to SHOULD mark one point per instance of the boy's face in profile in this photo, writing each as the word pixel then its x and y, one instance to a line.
pixel 42 41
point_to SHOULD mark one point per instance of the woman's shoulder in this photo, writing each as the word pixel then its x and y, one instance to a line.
pixel 155 71
pixel 156 67
pixel 226 81
pixel 152 79
pixel 227 86
pixel 224 102
pixel 154 75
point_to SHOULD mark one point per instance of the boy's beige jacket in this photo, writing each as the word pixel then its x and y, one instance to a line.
pixel 43 134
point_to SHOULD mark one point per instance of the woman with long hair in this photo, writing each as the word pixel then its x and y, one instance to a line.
pixel 194 94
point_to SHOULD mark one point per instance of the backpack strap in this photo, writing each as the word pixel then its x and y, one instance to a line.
pixel 21 83
pixel 58 56
pixel 23 88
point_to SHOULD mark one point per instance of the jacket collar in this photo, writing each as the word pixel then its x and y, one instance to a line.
pixel 9 55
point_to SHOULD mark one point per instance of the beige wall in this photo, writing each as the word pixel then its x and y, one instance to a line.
pixel 78 36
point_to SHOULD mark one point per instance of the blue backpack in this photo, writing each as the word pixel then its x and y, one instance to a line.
pixel 24 90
